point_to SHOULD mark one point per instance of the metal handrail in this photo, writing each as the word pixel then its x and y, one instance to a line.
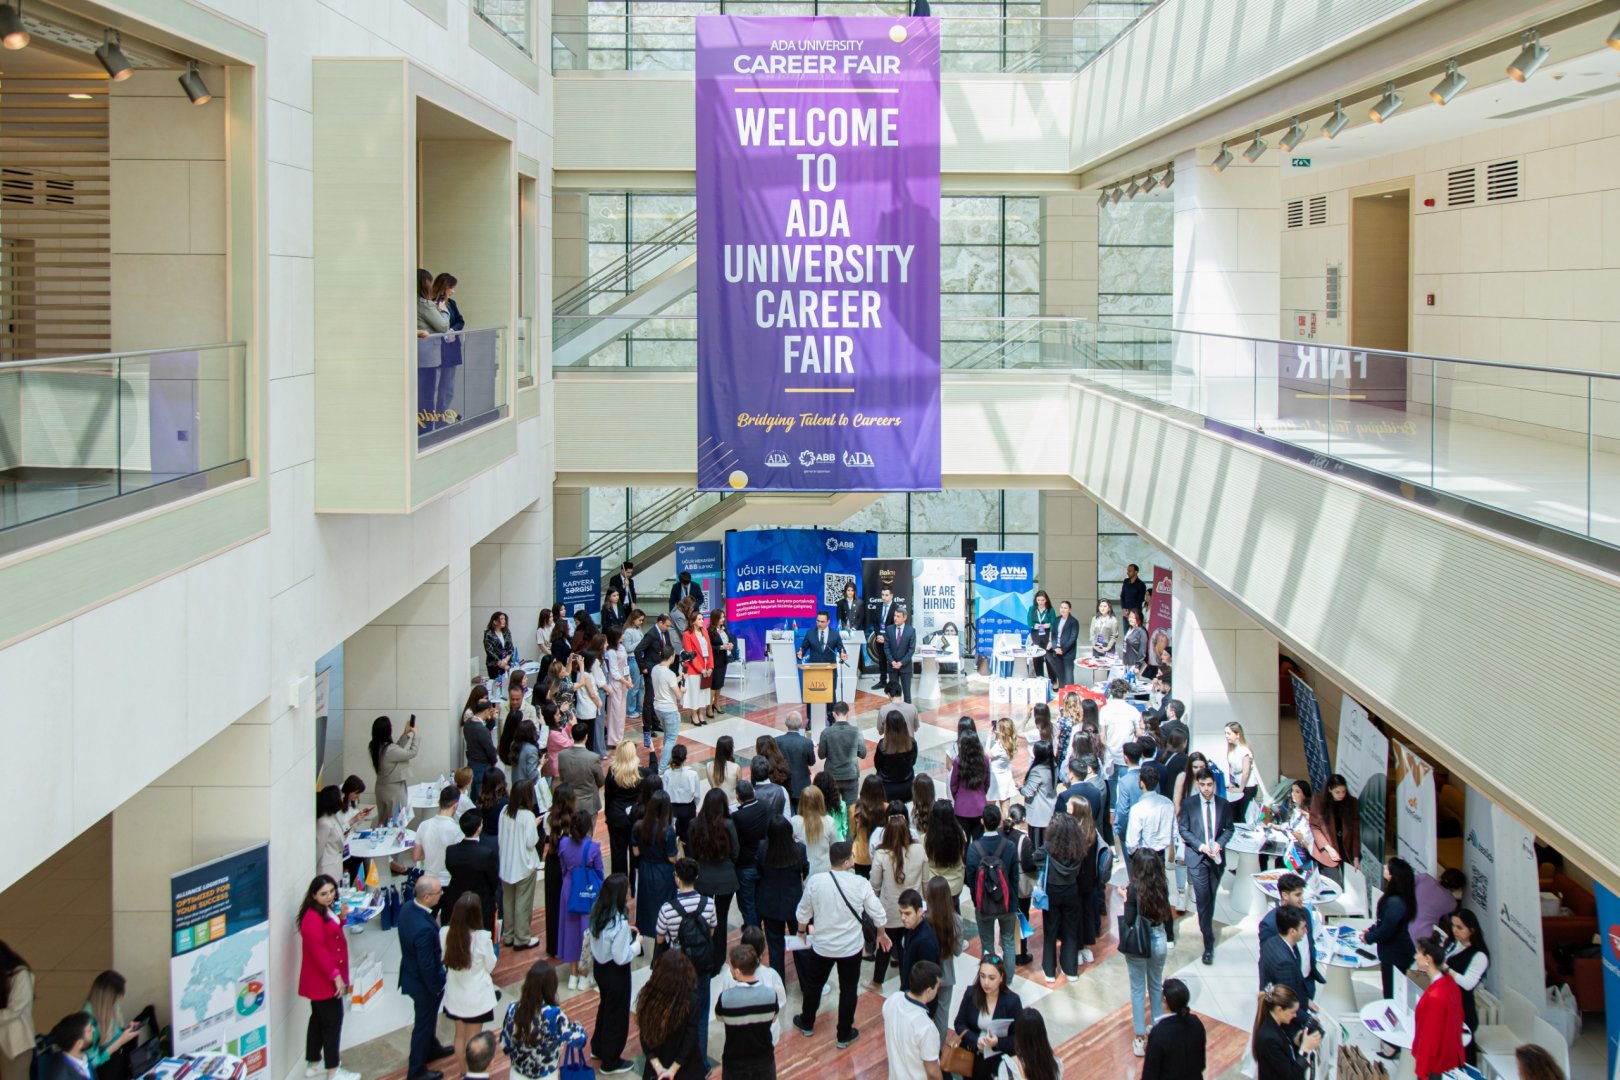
pixel 646 519
pixel 682 231
pixel 6 365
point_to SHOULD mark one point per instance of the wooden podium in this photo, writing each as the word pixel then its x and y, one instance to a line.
pixel 819 680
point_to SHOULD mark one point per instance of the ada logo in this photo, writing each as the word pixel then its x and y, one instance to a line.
pixel 776 460
pixel 857 459
pixel 808 458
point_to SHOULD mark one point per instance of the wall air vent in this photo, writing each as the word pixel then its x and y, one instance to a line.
pixel 1318 213
pixel 1296 214
pixel 1460 184
pixel 1502 180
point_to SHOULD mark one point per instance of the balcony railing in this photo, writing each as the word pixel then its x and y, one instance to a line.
pixel 460 383
pixel 88 439
pixel 657 35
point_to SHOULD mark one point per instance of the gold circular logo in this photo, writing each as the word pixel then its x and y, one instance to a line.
pixel 897 34
pixel 738 479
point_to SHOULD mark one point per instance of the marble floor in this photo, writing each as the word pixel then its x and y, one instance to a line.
pixel 1088 1018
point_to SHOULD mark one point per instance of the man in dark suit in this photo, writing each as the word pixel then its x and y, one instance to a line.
pixel 801 758
pixel 657 643
pixel 421 976
pixel 1282 961
pixel 580 768
pixel 1065 640
pixel 71 1037
pixel 879 617
pixel 1206 826
pixel 474 868
pixel 751 817
pixel 625 582
pixel 684 588
pixel 1291 893
pixel 822 645
pixel 899 647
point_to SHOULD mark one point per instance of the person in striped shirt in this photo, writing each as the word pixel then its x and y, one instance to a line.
pixel 748 1008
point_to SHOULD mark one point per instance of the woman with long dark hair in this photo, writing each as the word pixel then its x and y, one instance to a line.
pixel 392 761
pixel 560 649
pixel 469 962
pixel 832 802
pixel 329 832
pixel 614 944
pixel 1032 1057
pixel 590 690
pixel 990 998
pixel 499 648
pixel 1062 862
pixel 323 975
pixel 1336 829
pixel 1040 790
pixel 950 931
pixel 16 1014
pixel 923 797
pixel 714 846
pixel 776 766
pixel 536 1030
pixel 654 846
pixel 870 812
pixel 970 781
pixel 721 771
pixel 1390 931
pixel 784 863
pixel 526 754
pixel 1276 1055
pixel 1468 960
pixel 1147 896
pixel 724 647
pixel 564 804
pixel 667 1022
pixel 899 864
pixel 895 760
pixel 492 799
pixel 945 844
pixel 577 853
pixel 617 662
pixel 683 784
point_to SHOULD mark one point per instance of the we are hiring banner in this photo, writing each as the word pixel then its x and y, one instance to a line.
pixel 818 253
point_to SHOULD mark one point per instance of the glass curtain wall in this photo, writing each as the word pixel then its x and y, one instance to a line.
pixel 990 266
pixel 1135 266
pixel 1117 547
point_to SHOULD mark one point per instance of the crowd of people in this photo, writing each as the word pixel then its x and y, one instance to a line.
pixel 832 852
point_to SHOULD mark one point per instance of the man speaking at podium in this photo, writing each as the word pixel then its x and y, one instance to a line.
pixel 823 645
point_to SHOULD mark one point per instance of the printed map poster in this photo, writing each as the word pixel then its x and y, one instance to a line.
pixel 1003 593
pixel 780 578
pixel 220 957
pixel 818 253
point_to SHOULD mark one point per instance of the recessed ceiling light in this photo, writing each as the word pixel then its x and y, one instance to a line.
pixel 82 97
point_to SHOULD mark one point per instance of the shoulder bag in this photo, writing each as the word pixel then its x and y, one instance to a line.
pixel 1038 898
pixel 862 916
pixel 954 1058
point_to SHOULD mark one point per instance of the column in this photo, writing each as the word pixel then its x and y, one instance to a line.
pixel 1225 669
pixel 511 572
pixel 1068 560
pixel 1069 256
pixel 1227 281
pixel 570 517
pixel 570 253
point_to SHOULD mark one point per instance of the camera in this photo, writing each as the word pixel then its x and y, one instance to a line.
pixel 682 657
pixel 1313 1026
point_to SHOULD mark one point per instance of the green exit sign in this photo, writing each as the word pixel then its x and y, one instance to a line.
pixel 1302 162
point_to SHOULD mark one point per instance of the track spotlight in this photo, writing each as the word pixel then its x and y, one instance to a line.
pixel 111 55
pixel 1222 160
pixel 1614 37
pixel 1149 183
pixel 1254 149
pixel 1102 197
pixel 1387 106
pixel 1337 122
pixel 1135 189
pixel 1449 86
pixel 1169 180
pixel 191 82
pixel 1530 58
pixel 13 34
pixel 1295 136
pixel 1119 193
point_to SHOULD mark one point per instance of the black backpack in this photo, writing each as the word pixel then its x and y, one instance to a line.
pixel 694 938
pixel 990 892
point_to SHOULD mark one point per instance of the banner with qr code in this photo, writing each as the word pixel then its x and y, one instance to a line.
pixel 779 578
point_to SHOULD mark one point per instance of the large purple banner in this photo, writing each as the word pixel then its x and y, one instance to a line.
pixel 818 253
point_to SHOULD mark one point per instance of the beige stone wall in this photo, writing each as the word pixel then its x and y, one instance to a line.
pixel 1069 256
pixel 1068 558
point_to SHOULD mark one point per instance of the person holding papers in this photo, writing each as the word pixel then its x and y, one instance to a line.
pixel 987 1020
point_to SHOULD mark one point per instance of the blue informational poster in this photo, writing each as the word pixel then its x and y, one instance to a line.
pixel 1312 732
pixel 1003 593
pixel 578 584
pixel 219 966
pixel 782 577
pixel 705 561
pixel 1608 910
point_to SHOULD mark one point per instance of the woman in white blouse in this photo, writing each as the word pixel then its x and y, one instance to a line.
pixel 814 828
pixel 590 688
pixel 1468 960
pixel 469 961
pixel 616 688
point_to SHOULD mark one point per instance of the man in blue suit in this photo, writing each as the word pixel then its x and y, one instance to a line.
pixel 421 976
pixel 823 645
pixel 899 646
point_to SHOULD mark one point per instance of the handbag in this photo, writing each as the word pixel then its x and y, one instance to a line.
pixel 574 1065
pixel 584 884
pixel 1136 936
pixel 1037 897
pixel 954 1057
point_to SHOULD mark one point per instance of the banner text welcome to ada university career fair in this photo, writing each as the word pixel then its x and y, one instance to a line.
pixel 818 253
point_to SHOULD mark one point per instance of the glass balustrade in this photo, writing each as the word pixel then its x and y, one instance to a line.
pixel 657 35
pixel 87 439
pixel 460 383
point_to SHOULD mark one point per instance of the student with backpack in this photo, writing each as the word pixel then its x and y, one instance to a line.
pixel 840 904
pixel 686 923
pixel 992 880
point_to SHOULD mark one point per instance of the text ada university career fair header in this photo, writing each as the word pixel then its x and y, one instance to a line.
pixel 818 253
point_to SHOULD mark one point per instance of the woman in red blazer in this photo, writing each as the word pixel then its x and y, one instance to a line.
pixel 323 976
pixel 696 642
pixel 1437 1037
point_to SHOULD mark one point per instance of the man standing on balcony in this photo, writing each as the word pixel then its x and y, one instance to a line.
pixel 625 582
